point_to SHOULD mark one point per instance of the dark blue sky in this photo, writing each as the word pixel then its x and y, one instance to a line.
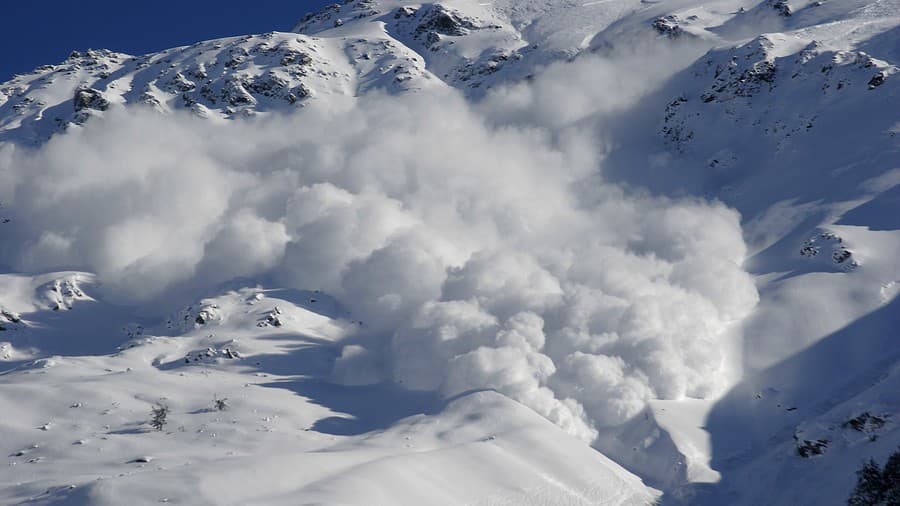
pixel 38 33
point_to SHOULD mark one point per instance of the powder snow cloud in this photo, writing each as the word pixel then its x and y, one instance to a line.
pixel 476 242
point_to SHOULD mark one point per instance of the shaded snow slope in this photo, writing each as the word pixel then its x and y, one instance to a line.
pixel 818 413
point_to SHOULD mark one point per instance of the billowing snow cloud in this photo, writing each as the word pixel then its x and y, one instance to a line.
pixel 478 253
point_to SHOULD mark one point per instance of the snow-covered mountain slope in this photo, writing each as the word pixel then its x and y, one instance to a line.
pixel 75 427
pixel 223 78
pixel 484 227
pixel 390 46
pixel 348 49
pixel 795 128
pixel 818 413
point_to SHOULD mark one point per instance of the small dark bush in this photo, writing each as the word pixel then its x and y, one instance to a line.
pixel 158 416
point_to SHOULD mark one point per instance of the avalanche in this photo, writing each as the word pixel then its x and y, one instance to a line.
pixel 458 253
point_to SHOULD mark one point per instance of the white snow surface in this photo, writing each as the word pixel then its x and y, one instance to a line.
pixel 465 252
pixel 286 435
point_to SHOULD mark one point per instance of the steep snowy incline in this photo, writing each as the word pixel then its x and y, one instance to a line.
pixel 798 131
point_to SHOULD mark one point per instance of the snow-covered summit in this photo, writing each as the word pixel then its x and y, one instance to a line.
pixel 359 46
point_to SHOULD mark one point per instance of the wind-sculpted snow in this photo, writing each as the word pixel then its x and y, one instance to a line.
pixel 462 248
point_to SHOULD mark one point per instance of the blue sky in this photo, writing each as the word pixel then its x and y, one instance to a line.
pixel 37 33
